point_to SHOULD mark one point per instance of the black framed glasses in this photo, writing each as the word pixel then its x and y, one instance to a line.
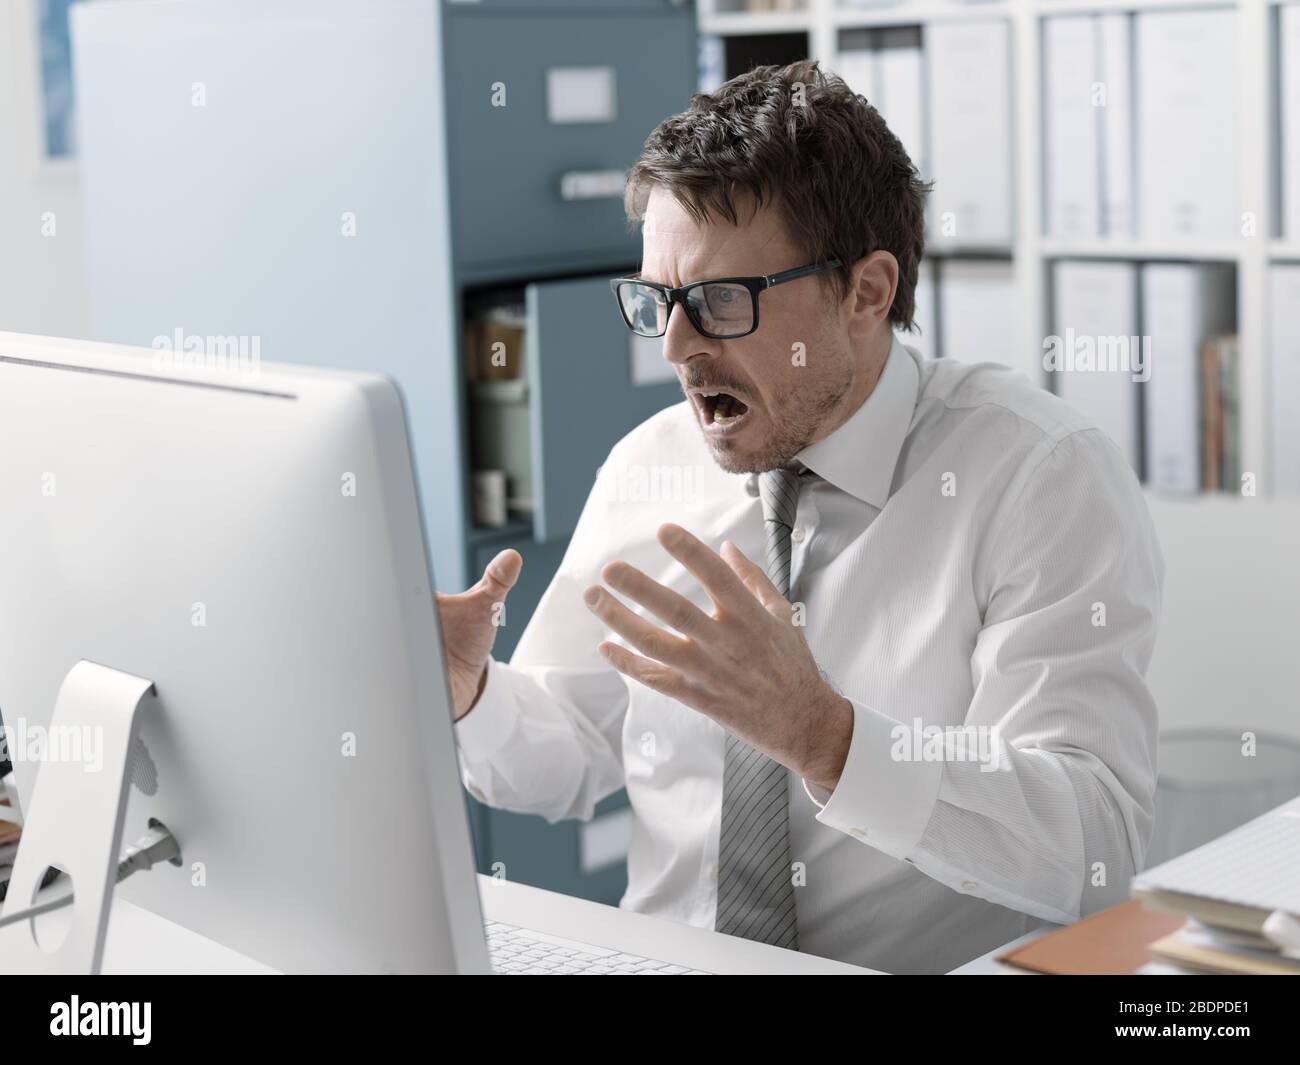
pixel 722 309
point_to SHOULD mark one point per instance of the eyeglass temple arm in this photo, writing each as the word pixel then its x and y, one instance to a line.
pixel 802 271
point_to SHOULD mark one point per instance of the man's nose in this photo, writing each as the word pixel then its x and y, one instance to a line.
pixel 682 342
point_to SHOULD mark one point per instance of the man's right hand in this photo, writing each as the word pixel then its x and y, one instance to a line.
pixel 469 628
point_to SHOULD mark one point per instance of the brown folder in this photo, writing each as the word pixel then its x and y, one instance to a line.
pixel 1112 942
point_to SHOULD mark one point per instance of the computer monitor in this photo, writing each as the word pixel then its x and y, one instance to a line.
pixel 248 538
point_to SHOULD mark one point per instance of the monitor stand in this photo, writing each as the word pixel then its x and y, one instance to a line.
pixel 74 821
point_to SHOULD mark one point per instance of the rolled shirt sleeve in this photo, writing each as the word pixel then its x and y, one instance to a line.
pixel 1043 800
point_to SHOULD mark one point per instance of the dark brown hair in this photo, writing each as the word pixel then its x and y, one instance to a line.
pixel 797 137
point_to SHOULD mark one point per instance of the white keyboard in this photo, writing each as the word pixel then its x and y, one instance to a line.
pixel 521 951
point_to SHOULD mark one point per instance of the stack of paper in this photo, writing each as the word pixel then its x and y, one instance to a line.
pixel 1239 890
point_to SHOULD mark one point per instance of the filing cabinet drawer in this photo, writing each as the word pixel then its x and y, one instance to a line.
pixel 539 180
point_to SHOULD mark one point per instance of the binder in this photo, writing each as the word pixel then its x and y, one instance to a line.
pixel 856 64
pixel 1284 387
pixel 1071 155
pixel 1095 303
pixel 977 304
pixel 1115 70
pixel 1187 122
pixel 899 82
pixel 1182 304
pixel 968 90
pixel 1289 85
pixel 926 341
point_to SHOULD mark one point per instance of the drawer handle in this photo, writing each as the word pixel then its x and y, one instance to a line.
pixel 592 184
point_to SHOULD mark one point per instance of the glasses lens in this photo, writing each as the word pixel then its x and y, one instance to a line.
pixel 723 309
pixel 645 309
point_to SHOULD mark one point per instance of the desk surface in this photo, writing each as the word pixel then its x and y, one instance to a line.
pixel 141 942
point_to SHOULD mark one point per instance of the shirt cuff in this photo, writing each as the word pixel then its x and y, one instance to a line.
pixel 484 730
pixel 883 797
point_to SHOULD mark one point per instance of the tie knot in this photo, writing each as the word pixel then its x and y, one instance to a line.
pixel 779 491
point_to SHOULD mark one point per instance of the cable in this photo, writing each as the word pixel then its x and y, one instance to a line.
pixel 156 845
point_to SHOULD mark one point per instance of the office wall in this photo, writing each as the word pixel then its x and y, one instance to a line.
pixel 42 277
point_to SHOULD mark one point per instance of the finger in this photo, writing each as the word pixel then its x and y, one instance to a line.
pixel 724 587
pixel 500 575
pixel 672 609
pixel 653 675
pixel 758 582
pixel 646 637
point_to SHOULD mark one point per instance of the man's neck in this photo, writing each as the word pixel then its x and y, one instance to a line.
pixel 870 366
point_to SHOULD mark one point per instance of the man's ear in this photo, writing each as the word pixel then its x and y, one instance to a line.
pixel 874 281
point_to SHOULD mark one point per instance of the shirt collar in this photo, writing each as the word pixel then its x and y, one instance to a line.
pixel 859 457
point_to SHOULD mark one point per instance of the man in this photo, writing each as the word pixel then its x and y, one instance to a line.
pixel 872 674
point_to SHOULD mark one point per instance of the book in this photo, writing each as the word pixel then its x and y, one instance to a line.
pixel 1203 951
pixel 1112 942
pixel 1220 418
pixel 1237 880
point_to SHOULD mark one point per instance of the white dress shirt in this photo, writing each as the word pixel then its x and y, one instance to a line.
pixel 975 553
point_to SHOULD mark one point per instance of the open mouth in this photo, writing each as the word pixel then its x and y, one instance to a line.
pixel 720 410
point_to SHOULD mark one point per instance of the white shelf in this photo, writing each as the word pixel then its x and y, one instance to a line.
pixel 1139 250
pixel 1032 252
pixel 823 14
pixel 1284 251
pixel 1084 7
pixel 735 24
pixel 919 13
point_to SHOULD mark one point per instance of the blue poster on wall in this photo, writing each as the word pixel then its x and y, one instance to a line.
pixel 56 79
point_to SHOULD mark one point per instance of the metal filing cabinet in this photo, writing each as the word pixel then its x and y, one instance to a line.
pixel 585 81
pixel 546 110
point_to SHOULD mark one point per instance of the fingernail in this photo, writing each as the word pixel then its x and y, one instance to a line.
pixel 591 596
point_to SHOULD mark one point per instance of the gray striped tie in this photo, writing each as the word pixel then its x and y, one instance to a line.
pixel 755 885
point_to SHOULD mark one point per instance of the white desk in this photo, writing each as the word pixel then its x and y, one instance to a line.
pixel 140 942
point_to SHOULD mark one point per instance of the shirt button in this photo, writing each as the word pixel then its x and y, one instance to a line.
pixel 797 536
pixel 968 885
pixel 858 833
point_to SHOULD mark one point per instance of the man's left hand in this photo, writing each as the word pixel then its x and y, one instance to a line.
pixel 747 666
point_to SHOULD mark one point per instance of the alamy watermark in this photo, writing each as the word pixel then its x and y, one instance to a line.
pixel 947 743
pixel 82 744
pixel 1087 353
pixel 238 356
